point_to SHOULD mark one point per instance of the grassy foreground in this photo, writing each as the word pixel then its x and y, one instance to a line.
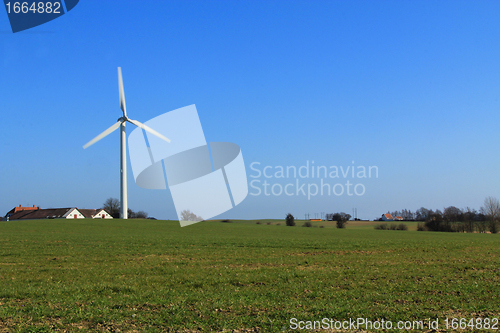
pixel 142 275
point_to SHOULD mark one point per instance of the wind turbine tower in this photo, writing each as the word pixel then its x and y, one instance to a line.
pixel 123 144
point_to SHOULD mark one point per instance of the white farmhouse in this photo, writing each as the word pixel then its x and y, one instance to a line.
pixel 96 213
pixel 51 213
pixel 35 213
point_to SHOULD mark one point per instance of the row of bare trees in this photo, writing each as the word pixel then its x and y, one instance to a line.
pixel 455 219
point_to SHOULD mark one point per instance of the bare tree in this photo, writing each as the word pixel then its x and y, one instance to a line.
pixel 407 215
pixel 395 213
pixel 187 215
pixel 492 210
pixel 112 205
pixel 423 214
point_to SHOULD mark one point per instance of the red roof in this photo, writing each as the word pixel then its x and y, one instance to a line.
pixel 20 209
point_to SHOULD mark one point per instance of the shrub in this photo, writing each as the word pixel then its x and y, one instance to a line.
pixel 290 220
pixel 460 227
pixel 307 224
pixel 258 222
pixel 341 219
pixel 227 221
pixel 278 223
pixel 493 227
pixel 439 225
pixel 321 226
pixel 482 226
pixel 392 226
pixel 402 226
pixel 421 227
pixel 268 223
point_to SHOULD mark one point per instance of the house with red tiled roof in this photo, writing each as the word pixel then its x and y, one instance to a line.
pixel 51 213
pixel 21 209
pixel 35 213
pixel 399 218
pixel 387 217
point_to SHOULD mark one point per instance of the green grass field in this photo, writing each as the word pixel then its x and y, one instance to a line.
pixel 153 276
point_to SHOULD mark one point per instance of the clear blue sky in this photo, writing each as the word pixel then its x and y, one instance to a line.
pixel 411 87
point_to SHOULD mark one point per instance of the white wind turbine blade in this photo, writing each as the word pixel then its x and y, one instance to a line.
pixel 122 92
pixel 148 129
pixel 103 134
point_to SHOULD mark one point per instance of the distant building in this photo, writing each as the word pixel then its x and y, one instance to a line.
pixel 35 213
pixel 96 213
pixel 51 213
pixel 399 218
pixel 387 217
pixel 20 209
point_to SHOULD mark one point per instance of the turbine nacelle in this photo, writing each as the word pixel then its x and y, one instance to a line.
pixel 124 118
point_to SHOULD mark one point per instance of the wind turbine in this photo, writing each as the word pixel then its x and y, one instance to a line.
pixel 123 144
